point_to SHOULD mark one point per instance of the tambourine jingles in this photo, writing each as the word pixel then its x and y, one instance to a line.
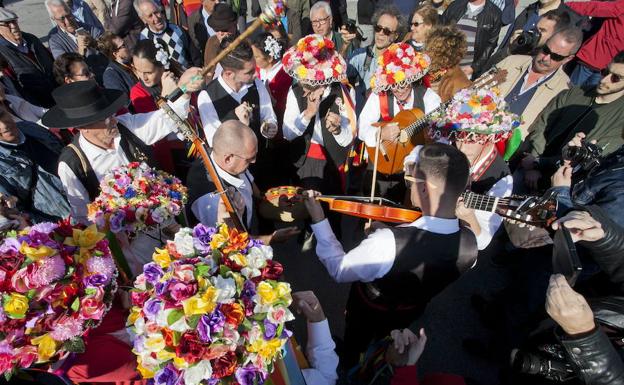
pixel 284 204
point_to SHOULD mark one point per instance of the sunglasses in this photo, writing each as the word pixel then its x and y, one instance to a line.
pixel 554 56
pixel 384 30
pixel 417 23
pixel 614 77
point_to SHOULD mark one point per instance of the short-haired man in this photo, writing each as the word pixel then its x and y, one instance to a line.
pixel 532 81
pixel 158 29
pixel 390 26
pixel 322 22
pixel 597 112
pixel 238 94
pixel 393 274
pixel 198 27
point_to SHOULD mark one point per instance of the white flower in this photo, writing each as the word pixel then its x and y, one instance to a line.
pixel 226 288
pixel 272 47
pixel 162 57
pixel 179 326
pixel 195 374
pixel 183 241
pixel 257 257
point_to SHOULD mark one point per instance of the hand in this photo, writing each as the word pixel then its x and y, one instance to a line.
pixel 582 226
pixel 192 80
pixel 268 129
pixel 82 41
pixel 314 102
pixel 282 235
pixel 314 206
pixel 243 113
pixel 21 220
pixel 463 212
pixel 531 179
pixel 347 37
pixel 567 307
pixel 406 347
pixel 306 302
pixel 528 162
pixel 332 122
pixel 168 83
pixel 563 176
pixel 467 70
pixel 390 132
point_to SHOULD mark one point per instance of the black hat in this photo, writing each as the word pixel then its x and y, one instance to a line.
pixel 82 103
pixel 222 18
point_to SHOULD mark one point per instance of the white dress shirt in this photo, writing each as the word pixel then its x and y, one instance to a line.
pixel 209 29
pixel 268 75
pixel 321 355
pixel 374 257
pixel 372 114
pixel 205 208
pixel 210 118
pixel 150 127
pixel 295 122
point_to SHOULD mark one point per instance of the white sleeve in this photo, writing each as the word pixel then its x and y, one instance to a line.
pixel 295 123
pixel 431 100
pixel 370 114
pixel 208 115
pixel 321 355
pixel 345 136
pixel 77 194
pixel 412 157
pixel 489 221
pixel 205 209
pixel 371 259
pixel 151 127
pixel 267 114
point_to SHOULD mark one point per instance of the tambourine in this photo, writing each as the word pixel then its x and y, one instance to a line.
pixel 284 204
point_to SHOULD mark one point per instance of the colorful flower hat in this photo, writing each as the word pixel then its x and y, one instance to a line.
pixel 479 116
pixel 399 66
pixel 314 61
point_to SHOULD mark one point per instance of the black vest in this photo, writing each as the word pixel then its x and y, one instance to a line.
pixel 134 149
pixel 497 171
pixel 336 154
pixel 424 265
pixel 419 94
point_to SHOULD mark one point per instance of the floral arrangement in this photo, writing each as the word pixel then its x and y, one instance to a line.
pixel 272 47
pixel 475 115
pixel 56 282
pixel 399 66
pixel 273 12
pixel 161 56
pixel 314 61
pixel 136 197
pixel 208 309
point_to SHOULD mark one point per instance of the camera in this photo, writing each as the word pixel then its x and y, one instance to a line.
pixel 352 27
pixel 550 363
pixel 583 158
pixel 526 43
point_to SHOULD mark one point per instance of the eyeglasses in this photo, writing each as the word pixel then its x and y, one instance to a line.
pixel 8 24
pixel 64 18
pixel 386 31
pixel 320 22
pixel 554 56
pixel 247 160
pixel 615 78
pixel 417 23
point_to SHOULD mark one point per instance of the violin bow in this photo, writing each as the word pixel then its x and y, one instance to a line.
pixel 375 163
pixel 273 11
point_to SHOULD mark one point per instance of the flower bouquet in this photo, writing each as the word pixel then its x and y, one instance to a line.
pixel 399 66
pixel 209 308
pixel 56 282
pixel 314 61
pixel 136 197
pixel 476 116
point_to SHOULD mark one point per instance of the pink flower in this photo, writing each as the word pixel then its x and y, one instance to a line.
pixel 91 308
pixel 180 291
pixel 6 362
pixel 66 328
pixel 101 265
pixel 23 279
pixel 184 273
pixel 27 356
pixel 50 269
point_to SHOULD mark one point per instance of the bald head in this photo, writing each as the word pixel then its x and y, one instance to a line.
pixel 232 135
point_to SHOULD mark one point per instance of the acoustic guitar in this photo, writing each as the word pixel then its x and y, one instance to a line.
pixel 412 124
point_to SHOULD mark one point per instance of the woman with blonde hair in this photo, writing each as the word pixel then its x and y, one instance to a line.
pixel 424 19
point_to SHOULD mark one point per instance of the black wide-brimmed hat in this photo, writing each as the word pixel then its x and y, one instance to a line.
pixel 222 18
pixel 82 103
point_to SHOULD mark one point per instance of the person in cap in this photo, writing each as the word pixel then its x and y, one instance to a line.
pixel 29 63
pixel 223 22
pixel 105 140
pixel 396 87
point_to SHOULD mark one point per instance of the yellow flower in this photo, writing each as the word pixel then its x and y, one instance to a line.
pixel 162 258
pixel 283 290
pixel 135 313
pixel 302 72
pixel 36 253
pixel 239 259
pixel 155 343
pixel 15 305
pixel 265 349
pixel 145 372
pixel 201 305
pixel 240 281
pixel 180 363
pixel 164 355
pixel 267 294
pixel 86 238
pixel 210 295
pixel 46 347
pixel 399 76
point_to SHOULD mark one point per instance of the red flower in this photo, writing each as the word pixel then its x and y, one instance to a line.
pixel 139 298
pixel 233 312
pixel 224 366
pixel 190 348
pixel 168 337
pixel 273 270
pixel 486 100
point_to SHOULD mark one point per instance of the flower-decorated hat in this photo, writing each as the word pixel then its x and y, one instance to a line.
pixel 314 61
pixel 479 116
pixel 399 66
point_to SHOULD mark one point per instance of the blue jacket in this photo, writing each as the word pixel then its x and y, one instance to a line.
pixel 60 42
pixel 603 186
pixel 39 191
pixel 116 78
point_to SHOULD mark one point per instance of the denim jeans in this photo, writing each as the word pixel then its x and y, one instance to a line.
pixel 585 76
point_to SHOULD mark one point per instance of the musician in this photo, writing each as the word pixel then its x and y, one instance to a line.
pixel 237 94
pixel 396 87
pixel 235 148
pixel 397 270
pixel 320 116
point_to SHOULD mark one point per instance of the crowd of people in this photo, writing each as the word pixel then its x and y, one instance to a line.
pixel 424 105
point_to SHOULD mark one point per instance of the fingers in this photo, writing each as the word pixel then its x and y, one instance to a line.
pixel 311 193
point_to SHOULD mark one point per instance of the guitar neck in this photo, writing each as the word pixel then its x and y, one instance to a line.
pixel 481 202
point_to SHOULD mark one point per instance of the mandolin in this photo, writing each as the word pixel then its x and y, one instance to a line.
pixel 411 125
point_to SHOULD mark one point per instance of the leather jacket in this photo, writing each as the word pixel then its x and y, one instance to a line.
pixel 488 28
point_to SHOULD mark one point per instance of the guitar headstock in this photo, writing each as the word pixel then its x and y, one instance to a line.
pixel 490 78
pixel 531 211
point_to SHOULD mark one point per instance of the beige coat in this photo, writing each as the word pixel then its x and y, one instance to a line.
pixel 516 66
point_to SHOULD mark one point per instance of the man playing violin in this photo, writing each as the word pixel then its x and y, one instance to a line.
pixel 396 88
pixel 396 270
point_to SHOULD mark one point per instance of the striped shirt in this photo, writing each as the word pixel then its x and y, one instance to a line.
pixel 468 25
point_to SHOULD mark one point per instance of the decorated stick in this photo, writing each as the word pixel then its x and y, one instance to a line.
pixel 273 11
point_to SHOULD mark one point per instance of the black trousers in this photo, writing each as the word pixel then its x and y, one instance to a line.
pixel 386 186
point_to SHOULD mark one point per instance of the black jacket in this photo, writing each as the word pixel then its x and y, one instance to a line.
pixel 488 28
